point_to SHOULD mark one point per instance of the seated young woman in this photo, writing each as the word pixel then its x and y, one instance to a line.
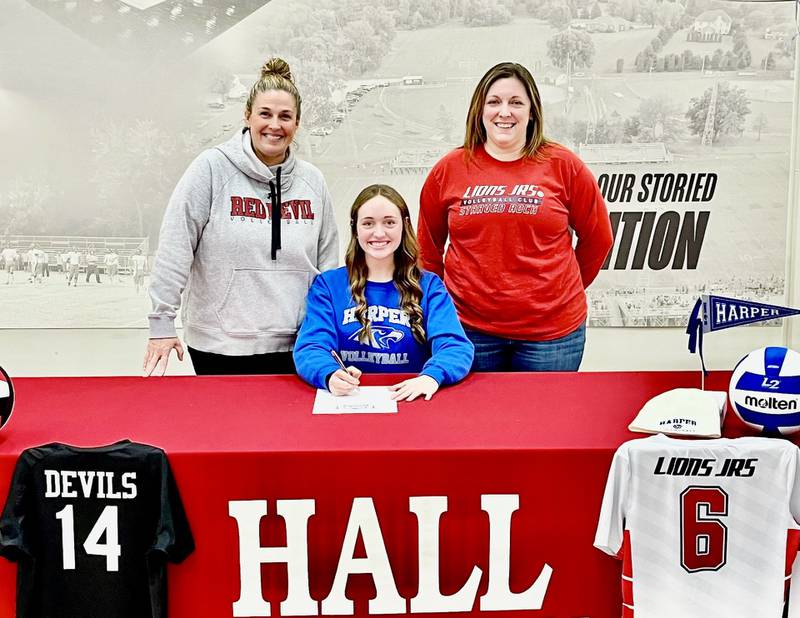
pixel 380 313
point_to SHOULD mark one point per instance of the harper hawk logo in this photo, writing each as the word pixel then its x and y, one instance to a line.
pixel 381 337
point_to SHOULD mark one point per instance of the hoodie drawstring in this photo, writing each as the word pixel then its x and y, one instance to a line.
pixel 275 203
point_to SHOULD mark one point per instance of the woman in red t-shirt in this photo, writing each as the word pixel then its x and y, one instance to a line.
pixel 509 201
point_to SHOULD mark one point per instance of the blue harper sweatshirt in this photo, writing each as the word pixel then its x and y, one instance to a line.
pixel 331 324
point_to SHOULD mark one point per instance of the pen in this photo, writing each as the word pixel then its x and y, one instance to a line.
pixel 338 360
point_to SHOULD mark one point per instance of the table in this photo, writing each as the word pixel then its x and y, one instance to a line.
pixel 535 445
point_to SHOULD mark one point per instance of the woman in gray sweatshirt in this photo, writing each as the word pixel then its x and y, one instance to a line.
pixel 245 232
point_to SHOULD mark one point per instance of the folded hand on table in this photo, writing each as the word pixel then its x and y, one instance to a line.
pixel 414 387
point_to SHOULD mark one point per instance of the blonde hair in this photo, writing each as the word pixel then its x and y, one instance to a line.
pixel 406 275
pixel 275 75
pixel 475 134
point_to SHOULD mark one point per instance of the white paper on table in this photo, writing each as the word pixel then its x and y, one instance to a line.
pixel 366 400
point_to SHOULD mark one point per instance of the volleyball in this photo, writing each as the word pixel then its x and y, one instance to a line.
pixel 765 390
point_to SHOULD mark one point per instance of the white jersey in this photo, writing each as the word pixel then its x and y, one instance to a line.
pixel 705 529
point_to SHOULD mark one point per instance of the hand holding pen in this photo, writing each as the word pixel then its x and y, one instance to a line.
pixel 345 380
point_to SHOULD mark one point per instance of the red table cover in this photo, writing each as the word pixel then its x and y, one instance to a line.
pixel 545 438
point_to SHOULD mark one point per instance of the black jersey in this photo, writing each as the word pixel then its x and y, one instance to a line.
pixel 92 529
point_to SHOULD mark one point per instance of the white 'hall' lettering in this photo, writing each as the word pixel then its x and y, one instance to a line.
pixel 363 521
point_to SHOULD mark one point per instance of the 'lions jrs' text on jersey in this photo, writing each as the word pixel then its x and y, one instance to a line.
pixel 92 529
pixel 705 529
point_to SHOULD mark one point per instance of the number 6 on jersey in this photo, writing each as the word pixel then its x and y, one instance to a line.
pixel 704 539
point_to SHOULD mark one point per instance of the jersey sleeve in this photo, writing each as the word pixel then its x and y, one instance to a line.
pixel 173 535
pixel 14 543
pixel 794 485
pixel 611 524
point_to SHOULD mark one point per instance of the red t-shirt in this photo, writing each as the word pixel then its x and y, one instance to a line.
pixel 510 266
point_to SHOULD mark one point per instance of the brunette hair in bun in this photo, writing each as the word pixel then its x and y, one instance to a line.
pixel 277 66
pixel 275 75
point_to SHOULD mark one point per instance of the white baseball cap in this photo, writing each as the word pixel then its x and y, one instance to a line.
pixel 683 412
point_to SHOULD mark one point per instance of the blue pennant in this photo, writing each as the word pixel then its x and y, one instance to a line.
pixel 712 312
pixel 720 312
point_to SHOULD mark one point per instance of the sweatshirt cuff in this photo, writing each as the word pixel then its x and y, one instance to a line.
pixel 325 375
pixel 162 326
pixel 433 373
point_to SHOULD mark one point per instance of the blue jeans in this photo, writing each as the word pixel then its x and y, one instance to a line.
pixel 500 354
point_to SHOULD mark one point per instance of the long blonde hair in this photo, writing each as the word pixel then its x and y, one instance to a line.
pixel 406 275
pixel 475 134
pixel 275 75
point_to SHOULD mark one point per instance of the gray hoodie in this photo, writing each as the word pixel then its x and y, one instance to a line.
pixel 216 241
